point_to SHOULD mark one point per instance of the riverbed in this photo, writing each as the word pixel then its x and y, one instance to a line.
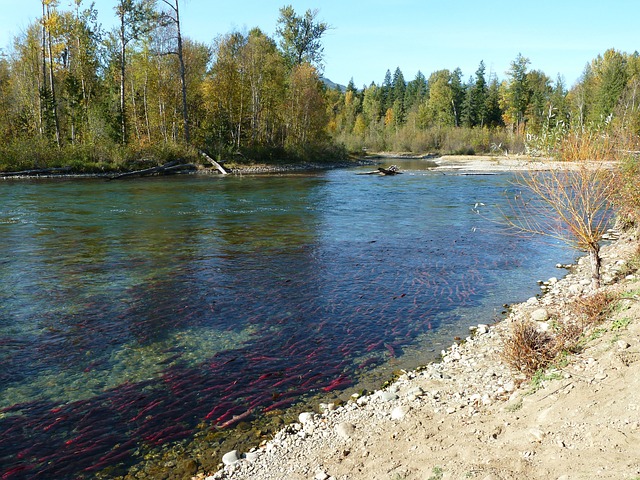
pixel 135 315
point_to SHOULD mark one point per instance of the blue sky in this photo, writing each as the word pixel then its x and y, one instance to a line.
pixel 369 37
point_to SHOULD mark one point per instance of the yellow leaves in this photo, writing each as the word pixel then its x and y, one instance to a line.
pixel 389 117
pixel 348 98
pixel 360 126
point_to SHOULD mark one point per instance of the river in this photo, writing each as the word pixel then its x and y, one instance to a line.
pixel 136 314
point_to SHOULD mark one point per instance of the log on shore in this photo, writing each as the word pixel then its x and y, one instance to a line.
pixel 37 171
pixel 166 169
pixel 218 167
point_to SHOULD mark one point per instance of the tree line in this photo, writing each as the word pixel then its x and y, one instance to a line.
pixel 71 92
pixel 525 112
pixel 70 88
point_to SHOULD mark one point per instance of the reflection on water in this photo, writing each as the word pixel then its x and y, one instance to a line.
pixel 133 311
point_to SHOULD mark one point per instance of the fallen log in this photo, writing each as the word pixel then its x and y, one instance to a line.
pixel 392 170
pixel 167 168
pixel 218 167
pixel 37 171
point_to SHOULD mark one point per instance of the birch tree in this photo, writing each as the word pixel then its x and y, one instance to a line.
pixel 135 19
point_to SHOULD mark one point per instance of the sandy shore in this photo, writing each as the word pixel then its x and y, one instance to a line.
pixel 470 416
pixel 513 163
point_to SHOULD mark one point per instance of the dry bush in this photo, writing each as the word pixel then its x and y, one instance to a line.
pixel 568 337
pixel 594 309
pixel 528 349
pixel 587 145
pixel 628 194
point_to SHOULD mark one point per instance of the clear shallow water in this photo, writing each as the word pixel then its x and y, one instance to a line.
pixel 132 311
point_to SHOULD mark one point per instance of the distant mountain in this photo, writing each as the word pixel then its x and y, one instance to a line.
pixel 333 85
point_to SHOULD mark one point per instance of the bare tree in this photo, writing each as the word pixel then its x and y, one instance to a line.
pixel 135 18
pixel 48 21
pixel 175 19
pixel 571 204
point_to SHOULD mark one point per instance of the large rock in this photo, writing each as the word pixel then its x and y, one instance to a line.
pixel 540 315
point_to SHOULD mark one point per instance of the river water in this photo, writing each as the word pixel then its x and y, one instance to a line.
pixel 135 313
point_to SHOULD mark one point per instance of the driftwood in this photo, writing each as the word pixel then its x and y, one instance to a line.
pixel 166 169
pixel 219 167
pixel 36 172
pixel 392 170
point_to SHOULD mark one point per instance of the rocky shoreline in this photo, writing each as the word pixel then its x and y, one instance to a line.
pixel 470 416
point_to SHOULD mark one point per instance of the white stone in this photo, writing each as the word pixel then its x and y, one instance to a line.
pixel 321 475
pixel 345 430
pixel 537 434
pixel 399 413
pixel 552 281
pixel 230 458
pixel 623 344
pixel 532 301
pixel 540 315
pixel 252 456
pixel 482 329
pixel 388 396
pixel 542 326
pixel 575 289
pixel 305 417
pixel 415 393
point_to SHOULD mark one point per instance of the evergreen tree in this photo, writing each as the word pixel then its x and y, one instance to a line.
pixel 476 111
pixel 386 93
pixel 539 93
pixel 494 113
pixel 398 88
pixel 458 95
pixel 415 93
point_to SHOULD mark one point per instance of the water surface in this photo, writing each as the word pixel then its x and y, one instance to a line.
pixel 134 313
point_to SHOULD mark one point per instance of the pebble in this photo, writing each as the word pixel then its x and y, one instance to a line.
pixel 600 376
pixel 321 475
pixel 415 393
pixel 537 434
pixel 252 456
pixel 623 344
pixel 345 430
pixel 305 417
pixel 576 289
pixel 230 458
pixel 399 413
pixel 388 396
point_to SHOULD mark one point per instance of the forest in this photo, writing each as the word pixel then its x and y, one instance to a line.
pixel 74 95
